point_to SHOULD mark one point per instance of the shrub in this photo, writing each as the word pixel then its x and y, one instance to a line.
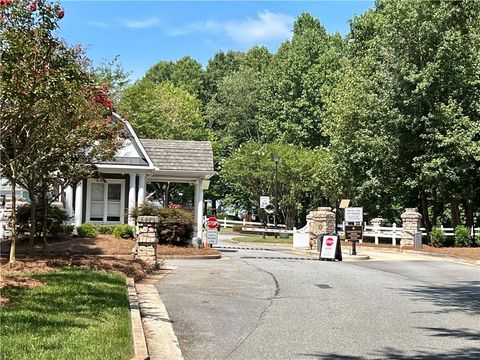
pixel 87 230
pixel 124 231
pixel 462 236
pixel 56 217
pixel 105 229
pixel 146 209
pixel 237 228
pixel 438 237
pixel 175 226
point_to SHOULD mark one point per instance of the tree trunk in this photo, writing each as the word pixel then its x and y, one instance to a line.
pixel 13 222
pixel 45 217
pixel 468 206
pixel 32 222
pixel 214 207
pixel 424 209
pixel 455 207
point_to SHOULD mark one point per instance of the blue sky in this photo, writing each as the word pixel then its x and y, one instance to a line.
pixel 145 32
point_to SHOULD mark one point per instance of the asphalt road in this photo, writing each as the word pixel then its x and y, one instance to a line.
pixel 258 304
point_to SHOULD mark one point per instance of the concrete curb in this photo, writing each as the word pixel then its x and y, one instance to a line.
pixel 190 257
pixel 161 339
pixel 139 343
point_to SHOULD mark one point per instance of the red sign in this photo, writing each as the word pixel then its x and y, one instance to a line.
pixel 212 223
pixel 329 241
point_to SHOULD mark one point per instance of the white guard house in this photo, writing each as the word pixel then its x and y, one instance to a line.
pixel 122 185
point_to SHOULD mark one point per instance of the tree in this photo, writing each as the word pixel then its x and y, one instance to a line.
pixel 403 112
pixel 54 119
pixel 292 98
pixel 185 73
pixel 163 111
pixel 249 173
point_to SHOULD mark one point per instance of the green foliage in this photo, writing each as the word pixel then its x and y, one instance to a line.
pixel 145 209
pixel 105 229
pixel 438 237
pixel 175 226
pixel 462 237
pixel 124 231
pixel 87 230
pixel 56 218
pixel 163 111
pixel 249 172
pixel 185 73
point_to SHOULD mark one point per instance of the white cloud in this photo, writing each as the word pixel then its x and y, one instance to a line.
pixel 141 24
pixel 99 24
pixel 267 26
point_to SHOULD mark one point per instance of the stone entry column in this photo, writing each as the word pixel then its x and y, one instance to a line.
pixel 411 225
pixel 146 247
pixel 321 221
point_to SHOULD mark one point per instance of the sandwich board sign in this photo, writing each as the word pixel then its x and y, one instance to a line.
pixel 329 247
pixel 354 214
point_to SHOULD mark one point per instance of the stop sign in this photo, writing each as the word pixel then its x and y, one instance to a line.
pixel 212 222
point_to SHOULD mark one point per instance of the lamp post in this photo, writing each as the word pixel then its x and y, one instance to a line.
pixel 276 159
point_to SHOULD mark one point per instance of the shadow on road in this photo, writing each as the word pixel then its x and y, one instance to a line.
pixel 462 297
pixel 390 353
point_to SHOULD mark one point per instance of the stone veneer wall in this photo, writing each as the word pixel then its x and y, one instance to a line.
pixel 411 225
pixel 146 247
pixel 321 221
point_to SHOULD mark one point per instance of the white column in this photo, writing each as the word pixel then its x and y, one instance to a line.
pixel 69 201
pixel 79 203
pixel 199 209
pixel 141 188
pixel 131 197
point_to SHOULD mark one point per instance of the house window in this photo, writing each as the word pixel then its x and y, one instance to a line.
pixel 105 201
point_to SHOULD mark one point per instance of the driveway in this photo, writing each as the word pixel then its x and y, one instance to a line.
pixel 267 304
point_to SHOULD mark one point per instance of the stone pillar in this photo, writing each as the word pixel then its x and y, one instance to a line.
pixel 411 225
pixel 146 247
pixel 79 203
pixel 131 197
pixel 321 221
pixel 377 222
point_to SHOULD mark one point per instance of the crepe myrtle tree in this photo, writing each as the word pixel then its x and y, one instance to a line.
pixel 55 120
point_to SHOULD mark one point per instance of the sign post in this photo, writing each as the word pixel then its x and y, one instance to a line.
pixel 354 226
pixel 212 231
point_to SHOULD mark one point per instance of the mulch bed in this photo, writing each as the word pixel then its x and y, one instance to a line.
pixel 465 253
pixel 105 252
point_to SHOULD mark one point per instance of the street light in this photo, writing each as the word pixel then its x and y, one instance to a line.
pixel 276 158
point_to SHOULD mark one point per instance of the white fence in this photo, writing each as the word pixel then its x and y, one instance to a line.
pixel 395 232
pixel 231 223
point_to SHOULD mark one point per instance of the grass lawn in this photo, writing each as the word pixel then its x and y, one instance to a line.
pixel 76 314
pixel 259 239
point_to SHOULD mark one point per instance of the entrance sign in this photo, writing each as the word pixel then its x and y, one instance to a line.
pixel 264 201
pixel 329 247
pixel 212 223
pixel 212 236
pixel 353 232
pixel 354 214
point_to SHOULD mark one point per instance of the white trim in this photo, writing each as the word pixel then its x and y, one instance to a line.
pixel 132 197
pixel 105 196
pixel 137 140
pixel 79 203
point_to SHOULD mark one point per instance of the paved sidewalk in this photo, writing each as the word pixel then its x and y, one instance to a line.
pixel 161 340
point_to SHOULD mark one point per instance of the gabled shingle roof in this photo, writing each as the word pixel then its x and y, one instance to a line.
pixel 180 155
